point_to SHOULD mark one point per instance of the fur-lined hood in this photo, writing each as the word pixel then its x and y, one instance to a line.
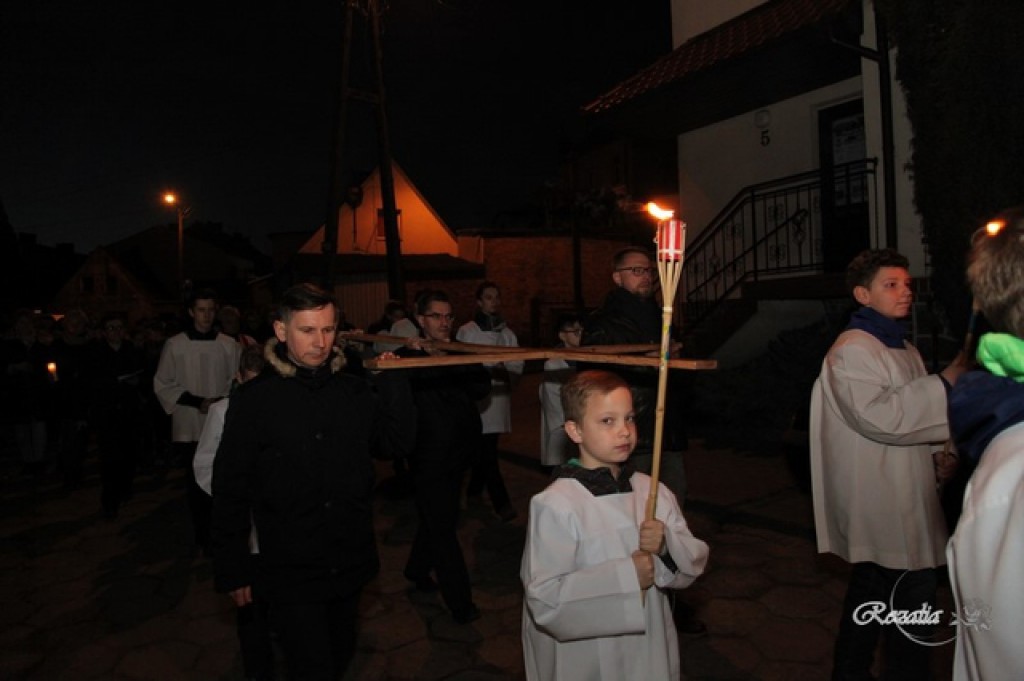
pixel 287 369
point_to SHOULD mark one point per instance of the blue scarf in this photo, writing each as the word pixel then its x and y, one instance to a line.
pixel 889 331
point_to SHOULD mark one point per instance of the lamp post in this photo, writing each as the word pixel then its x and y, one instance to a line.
pixel 171 199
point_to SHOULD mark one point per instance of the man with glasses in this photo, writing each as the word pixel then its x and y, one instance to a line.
pixel 448 435
pixel 629 315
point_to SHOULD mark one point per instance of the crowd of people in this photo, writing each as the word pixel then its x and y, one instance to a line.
pixel 78 379
pixel 278 432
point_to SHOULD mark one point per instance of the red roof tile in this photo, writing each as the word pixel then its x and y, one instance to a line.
pixel 749 31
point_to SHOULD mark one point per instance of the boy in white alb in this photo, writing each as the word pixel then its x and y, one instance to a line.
pixel 591 559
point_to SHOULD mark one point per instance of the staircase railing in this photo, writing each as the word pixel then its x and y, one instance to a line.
pixel 766 230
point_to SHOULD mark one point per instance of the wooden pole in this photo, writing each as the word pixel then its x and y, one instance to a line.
pixel 671 240
pixel 455 346
pixel 379 364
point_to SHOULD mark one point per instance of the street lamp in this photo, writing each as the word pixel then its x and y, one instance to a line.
pixel 171 199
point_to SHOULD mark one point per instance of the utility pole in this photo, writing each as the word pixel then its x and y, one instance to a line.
pixel 335 186
pixel 337 189
pixel 392 242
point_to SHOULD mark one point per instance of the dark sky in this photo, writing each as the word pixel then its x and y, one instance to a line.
pixel 105 105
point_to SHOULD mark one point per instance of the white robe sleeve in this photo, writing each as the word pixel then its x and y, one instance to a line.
pixel 879 408
pixel 568 602
pixel 209 440
pixel 689 554
pixel 165 381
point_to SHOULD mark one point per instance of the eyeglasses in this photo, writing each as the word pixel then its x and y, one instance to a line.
pixel 574 332
pixel 437 315
pixel 639 271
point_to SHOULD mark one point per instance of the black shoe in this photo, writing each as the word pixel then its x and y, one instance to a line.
pixel 466 615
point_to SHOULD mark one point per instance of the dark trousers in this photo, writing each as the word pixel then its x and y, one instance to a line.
pixel 319 639
pixel 905 659
pixel 436 546
pixel 200 504
pixel 118 443
pixel 486 473
pixel 254 640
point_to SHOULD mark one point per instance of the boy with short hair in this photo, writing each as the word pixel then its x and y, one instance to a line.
pixel 986 410
pixel 875 417
pixel 591 559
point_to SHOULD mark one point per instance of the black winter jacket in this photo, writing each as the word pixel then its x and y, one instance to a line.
pixel 626 319
pixel 448 424
pixel 296 453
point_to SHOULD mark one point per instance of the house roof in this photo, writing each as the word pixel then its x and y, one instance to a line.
pixel 784 44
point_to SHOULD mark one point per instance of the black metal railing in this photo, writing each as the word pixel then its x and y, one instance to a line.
pixel 768 229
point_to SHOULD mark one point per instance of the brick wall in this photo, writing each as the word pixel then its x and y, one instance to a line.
pixel 535 276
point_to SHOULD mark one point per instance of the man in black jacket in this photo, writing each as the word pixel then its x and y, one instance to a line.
pixel 295 460
pixel 448 433
pixel 630 315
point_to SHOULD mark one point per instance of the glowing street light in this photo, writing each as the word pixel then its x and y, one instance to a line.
pixel 171 199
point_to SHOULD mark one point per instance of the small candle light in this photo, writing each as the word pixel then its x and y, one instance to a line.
pixel 671 235
pixel 52 369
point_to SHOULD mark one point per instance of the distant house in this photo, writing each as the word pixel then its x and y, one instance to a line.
pixel 137 276
pixel 776 110
pixel 534 268
pixel 103 285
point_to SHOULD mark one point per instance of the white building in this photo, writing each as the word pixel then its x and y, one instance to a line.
pixel 780 120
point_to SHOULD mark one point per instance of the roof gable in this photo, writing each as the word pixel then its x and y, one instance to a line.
pixel 752 33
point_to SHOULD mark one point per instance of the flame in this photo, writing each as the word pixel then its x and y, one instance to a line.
pixel 994 227
pixel 659 212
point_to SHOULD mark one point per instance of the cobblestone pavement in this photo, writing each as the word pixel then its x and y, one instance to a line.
pixel 82 597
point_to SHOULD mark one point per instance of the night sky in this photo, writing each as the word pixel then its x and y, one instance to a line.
pixel 103 106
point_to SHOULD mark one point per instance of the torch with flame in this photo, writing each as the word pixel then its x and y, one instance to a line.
pixel 671 241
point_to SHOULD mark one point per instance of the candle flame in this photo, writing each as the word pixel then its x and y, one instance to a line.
pixel 994 227
pixel 659 212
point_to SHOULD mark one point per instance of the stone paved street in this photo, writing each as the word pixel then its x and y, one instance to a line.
pixel 129 599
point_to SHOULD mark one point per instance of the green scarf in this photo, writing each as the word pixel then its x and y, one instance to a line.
pixel 1003 355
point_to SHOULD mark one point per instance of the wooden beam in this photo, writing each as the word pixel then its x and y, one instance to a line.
pixel 554 353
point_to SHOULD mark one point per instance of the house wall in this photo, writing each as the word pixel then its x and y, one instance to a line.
pixel 535 276
pixel 719 160
pixel 420 228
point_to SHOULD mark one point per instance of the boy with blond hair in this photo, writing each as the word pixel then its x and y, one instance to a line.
pixel 986 411
pixel 591 559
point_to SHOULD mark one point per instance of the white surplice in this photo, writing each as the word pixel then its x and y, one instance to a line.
pixel 583 616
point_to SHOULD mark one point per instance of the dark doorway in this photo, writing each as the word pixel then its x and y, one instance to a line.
pixel 844 189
